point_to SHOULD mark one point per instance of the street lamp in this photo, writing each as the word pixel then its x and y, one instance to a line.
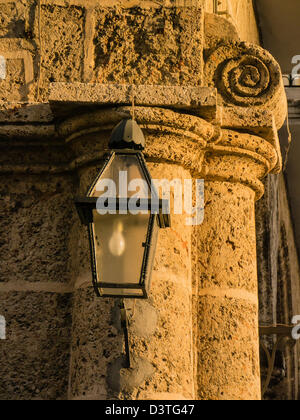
pixel 123 222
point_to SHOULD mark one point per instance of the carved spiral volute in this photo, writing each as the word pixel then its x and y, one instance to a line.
pixel 243 74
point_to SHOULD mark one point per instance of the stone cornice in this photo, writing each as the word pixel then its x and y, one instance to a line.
pixel 244 92
pixel 213 105
pixel 201 101
pixel 192 97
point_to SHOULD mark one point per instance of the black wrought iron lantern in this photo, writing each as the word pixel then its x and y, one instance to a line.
pixel 123 221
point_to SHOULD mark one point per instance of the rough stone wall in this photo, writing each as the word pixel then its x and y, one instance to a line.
pixel 279 286
pixel 71 41
pixel 81 41
pixel 241 13
pixel 67 41
pixel 35 224
pixel 35 355
pixel 76 41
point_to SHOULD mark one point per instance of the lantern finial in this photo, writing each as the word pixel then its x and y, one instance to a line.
pixel 127 135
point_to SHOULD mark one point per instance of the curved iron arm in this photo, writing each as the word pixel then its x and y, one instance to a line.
pixel 282 332
pixel 124 325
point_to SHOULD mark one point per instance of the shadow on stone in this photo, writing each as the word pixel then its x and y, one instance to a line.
pixel 122 380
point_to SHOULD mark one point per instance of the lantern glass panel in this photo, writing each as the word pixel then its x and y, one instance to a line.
pixel 153 243
pixel 119 247
pixel 120 164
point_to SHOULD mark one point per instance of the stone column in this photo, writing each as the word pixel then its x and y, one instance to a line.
pixel 250 91
pixel 227 298
pixel 160 328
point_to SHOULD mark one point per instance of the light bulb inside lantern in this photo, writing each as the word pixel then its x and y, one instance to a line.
pixel 117 242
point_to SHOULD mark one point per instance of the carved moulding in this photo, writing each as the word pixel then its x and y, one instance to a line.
pixel 250 89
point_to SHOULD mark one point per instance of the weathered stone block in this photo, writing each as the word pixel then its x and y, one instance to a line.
pixel 12 19
pixel 199 100
pixel 13 87
pixel 17 75
pixel 97 341
pixel 35 229
pixel 62 43
pixel 149 45
pixel 226 256
pixel 35 354
pixel 227 343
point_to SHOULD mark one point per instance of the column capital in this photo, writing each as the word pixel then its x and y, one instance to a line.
pixel 196 144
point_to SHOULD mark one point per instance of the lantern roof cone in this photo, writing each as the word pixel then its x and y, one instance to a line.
pixel 127 135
